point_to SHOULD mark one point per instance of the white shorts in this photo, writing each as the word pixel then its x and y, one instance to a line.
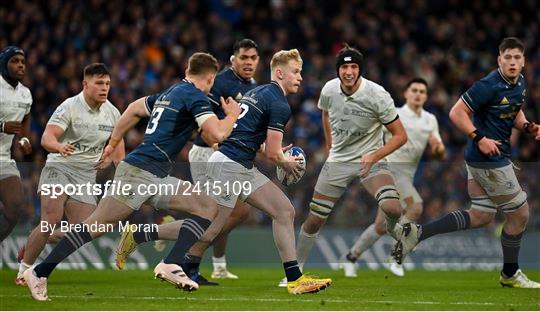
pixel 127 174
pixel 64 174
pixel 496 181
pixel 224 171
pixel 8 168
pixel 335 176
pixel 404 178
pixel 198 162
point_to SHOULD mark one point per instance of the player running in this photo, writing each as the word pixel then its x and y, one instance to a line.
pixel 174 114
pixel 487 112
pixel 422 129
pixel 232 82
pixel 75 137
pixel 355 110
pixel 15 104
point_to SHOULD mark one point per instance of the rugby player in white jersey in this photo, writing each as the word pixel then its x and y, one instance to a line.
pixel 422 128
pixel 75 137
pixel 355 111
pixel 15 103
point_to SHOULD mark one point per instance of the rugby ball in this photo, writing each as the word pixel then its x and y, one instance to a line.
pixel 282 176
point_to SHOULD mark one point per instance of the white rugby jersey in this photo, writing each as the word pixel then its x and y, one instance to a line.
pixel 419 128
pixel 86 129
pixel 356 120
pixel 15 103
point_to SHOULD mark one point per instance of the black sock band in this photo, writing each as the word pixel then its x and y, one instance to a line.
pixel 292 270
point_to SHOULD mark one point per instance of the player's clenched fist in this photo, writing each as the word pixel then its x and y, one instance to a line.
pixel 230 106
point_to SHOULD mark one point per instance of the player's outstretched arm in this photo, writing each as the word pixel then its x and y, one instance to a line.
pixel 133 114
pixel 214 130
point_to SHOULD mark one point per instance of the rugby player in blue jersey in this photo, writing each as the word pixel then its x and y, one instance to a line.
pixel 233 82
pixel 265 112
pixel 487 112
pixel 174 114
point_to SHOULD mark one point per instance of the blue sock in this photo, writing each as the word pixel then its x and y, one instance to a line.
pixel 292 270
pixel 454 221
pixel 143 237
pixel 192 229
pixel 68 245
pixel 510 247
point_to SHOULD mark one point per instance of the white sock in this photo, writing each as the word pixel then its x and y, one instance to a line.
pixel 23 267
pixel 365 241
pixel 219 263
pixel 305 243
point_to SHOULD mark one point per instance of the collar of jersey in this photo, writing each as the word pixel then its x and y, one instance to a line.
pixel 411 112
pixel 277 85
pixel 4 83
pixel 83 101
pixel 355 93
pixel 239 77
pixel 504 77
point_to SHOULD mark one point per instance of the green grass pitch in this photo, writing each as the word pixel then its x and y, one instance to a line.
pixel 256 290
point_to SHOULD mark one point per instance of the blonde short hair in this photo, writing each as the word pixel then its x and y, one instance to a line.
pixel 283 57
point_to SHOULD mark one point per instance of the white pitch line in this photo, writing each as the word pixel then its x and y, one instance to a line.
pixel 265 300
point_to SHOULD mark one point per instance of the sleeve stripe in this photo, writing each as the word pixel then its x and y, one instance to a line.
pixel 146 106
pixel 277 129
pixel 214 101
pixel 396 118
pixel 466 102
pixel 204 113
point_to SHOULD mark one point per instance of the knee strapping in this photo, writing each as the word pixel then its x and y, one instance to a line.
pixel 483 204
pixel 515 203
pixel 387 192
pixel 321 208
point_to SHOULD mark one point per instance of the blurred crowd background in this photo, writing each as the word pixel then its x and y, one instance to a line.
pixel 146 44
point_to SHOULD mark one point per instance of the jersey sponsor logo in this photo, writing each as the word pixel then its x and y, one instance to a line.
pixel 347 59
pixel 504 101
pixel 162 102
pixel 87 148
pixel 106 128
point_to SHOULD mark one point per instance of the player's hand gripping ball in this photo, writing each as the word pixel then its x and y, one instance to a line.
pixel 288 179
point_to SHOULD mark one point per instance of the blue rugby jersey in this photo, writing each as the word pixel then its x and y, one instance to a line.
pixel 263 108
pixel 495 102
pixel 172 121
pixel 227 83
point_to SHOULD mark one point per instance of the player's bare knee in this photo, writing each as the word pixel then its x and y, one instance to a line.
pixel 313 224
pixel 287 213
pixel 519 218
pixel 203 206
pixel 480 218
